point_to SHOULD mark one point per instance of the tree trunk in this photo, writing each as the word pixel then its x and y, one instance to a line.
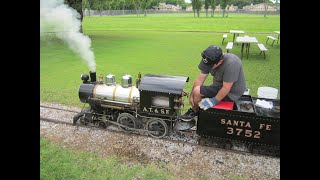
pixel 89 9
pixel 81 31
pixel 265 10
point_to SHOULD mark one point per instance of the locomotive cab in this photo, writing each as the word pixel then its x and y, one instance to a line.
pixel 161 95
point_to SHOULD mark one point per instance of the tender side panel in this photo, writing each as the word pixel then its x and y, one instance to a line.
pixel 240 126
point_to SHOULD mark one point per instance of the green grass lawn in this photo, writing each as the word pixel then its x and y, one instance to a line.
pixel 60 163
pixel 130 44
pixel 184 22
pixel 167 44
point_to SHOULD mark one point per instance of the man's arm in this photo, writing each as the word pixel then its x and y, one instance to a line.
pixel 224 90
pixel 230 75
pixel 198 82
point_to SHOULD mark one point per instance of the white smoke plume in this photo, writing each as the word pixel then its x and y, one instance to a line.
pixel 64 21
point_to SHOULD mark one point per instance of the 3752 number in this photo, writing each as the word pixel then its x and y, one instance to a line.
pixel 243 132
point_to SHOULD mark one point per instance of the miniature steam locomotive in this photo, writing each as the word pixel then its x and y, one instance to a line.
pixel 154 104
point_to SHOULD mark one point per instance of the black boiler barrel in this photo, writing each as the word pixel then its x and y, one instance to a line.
pixel 86 91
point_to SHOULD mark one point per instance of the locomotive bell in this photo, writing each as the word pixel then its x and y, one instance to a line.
pixel 110 80
pixel 126 81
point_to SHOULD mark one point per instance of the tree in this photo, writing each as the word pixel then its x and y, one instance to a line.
pixel 154 3
pixel 193 3
pixel 240 3
pixel 174 2
pixel 140 5
pixel 145 4
pixel 87 4
pixel 99 5
pixel 213 7
pixel 266 4
pixel 110 4
pixel 198 5
pixel 206 6
pixel 120 4
pixel 257 1
pixel 181 3
pixel 77 5
pixel 223 6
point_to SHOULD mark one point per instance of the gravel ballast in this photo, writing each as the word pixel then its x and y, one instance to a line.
pixel 184 160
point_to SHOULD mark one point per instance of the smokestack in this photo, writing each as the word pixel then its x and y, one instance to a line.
pixel 93 76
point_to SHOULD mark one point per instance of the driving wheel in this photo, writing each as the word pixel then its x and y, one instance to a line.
pixel 157 128
pixel 127 120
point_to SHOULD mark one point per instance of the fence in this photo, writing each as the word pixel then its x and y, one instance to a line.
pixel 151 11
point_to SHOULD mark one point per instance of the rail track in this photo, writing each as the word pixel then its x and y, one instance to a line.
pixel 189 137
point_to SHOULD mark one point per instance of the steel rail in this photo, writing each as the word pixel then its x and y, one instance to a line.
pixel 59 109
pixel 136 131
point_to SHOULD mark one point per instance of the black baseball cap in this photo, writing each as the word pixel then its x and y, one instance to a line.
pixel 210 56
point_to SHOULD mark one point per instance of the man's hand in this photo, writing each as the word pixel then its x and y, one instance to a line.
pixel 207 103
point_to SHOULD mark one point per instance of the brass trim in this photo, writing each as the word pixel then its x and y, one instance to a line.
pixel 110 106
pixel 129 98
pixel 94 91
pixel 114 93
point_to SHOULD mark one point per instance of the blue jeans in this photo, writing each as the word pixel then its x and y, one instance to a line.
pixel 212 91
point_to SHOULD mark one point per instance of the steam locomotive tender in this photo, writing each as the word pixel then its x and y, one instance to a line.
pixel 153 106
pixel 256 127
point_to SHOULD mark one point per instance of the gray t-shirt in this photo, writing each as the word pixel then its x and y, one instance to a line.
pixel 230 71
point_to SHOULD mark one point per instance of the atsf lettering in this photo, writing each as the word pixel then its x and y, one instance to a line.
pixel 237 128
pixel 156 110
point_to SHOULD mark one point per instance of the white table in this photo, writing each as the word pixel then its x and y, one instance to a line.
pixel 278 32
pixel 236 32
pixel 246 40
